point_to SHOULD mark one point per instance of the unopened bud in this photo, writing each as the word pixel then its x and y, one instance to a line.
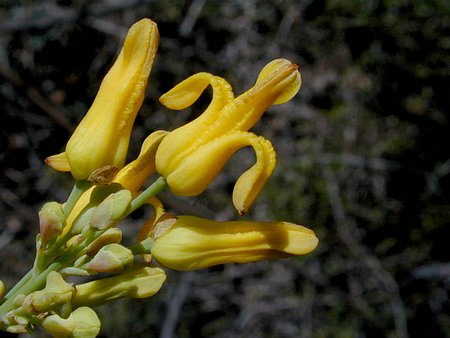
pixel 111 209
pixel 111 258
pixel 82 323
pixel 51 221
pixel 16 329
pixel 56 296
pixel 58 327
pixel 112 235
pixel 140 283
pixel 87 324
pixel 82 221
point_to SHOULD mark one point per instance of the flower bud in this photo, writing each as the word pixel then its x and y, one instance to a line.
pixel 56 297
pixel 82 323
pixel 58 327
pixel 51 221
pixel 111 258
pixel 102 137
pixel 140 283
pixel 194 243
pixel 112 235
pixel 111 209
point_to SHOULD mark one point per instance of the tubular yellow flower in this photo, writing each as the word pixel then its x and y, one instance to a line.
pixel 102 137
pixel 190 157
pixel 194 243
pixel 130 177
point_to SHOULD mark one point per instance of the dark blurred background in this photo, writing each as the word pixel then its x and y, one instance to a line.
pixel 363 156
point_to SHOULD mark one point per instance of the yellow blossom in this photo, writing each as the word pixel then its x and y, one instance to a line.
pixel 194 243
pixel 102 137
pixel 130 177
pixel 190 157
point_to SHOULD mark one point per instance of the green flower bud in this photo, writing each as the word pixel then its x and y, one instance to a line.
pixel 82 221
pixel 58 327
pixel 111 258
pixel 16 329
pixel 111 209
pixel 51 221
pixel 112 235
pixel 82 323
pixel 56 296
pixel 87 324
pixel 140 283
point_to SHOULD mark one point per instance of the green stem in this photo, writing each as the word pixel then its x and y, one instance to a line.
pixel 29 285
pixel 143 247
pixel 78 189
pixel 157 186
pixel 19 284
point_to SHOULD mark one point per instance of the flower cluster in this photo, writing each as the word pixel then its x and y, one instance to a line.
pixel 81 238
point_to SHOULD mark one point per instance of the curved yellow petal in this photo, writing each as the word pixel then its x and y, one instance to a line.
pixel 249 185
pixel 278 82
pixel 158 211
pixel 279 66
pixel 134 174
pixel 58 162
pixel 184 140
pixel 189 90
pixel 102 137
pixel 194 243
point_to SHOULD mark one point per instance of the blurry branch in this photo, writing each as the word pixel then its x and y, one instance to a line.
pixel 5 238
pixel 345 229
pixel 57 112
pixel 62 15
pixel 106 27
pixel 439 271
pixel 191 17
pixel 286 23
pixel 359 161
pixel 292 14
pixel 176 302
pixel 309 293
pixel 54 15
pixel 440 170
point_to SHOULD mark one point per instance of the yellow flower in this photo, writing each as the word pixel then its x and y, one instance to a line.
pixel 190 157
pixel 194 243
pixel 102 137
pixel 130 177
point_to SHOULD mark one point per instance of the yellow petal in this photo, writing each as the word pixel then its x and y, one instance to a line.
pixel 184 140
pixel 102 137
pixel 279 66
pixel 133 175
pixel 158 211
pixel 58 162
pixel 249 185
pixel 194 243
pixel 188 91
pixel 197 171
pixel 278 82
